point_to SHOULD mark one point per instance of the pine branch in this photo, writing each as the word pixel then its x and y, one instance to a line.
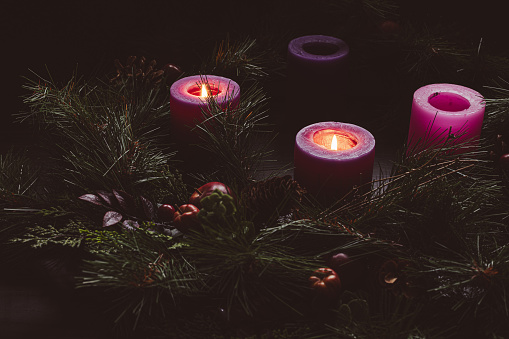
pixel 249 274
pixel 237 60
pixel 143 268
pixel 431 56
pixel 109 137
pixel 237 136
pixel 18 177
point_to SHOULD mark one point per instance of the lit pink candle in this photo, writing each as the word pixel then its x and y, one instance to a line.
pixel 188 100
pixel 440 109
pixel 331 158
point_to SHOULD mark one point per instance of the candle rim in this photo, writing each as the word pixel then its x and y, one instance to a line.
pixel 365 141
pixel 296 47
pixel 425 93
pixel 228 88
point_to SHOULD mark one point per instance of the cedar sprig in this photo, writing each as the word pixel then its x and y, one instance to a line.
pixel 40 236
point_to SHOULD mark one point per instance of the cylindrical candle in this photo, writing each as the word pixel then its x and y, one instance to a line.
pixel 317 75
pixel 317 57
pixel 188 100
pixel 331 158
pixel 441 111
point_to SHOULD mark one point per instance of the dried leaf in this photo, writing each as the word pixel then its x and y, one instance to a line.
pixel 92 198
pixel 107 197
pixel 111 218
pixel 148 208
pixel 125 200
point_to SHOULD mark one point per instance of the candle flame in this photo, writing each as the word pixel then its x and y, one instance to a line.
pixel 334 143
pixel 204 92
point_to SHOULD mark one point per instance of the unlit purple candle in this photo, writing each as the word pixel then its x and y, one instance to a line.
pixel 331 158
pixel 442 111
pixel 317 67
pixel 317 57
pixel 188 102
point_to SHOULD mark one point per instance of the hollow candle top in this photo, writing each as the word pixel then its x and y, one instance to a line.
pixel 317 55
pixel 333 173
pixel 187 101
pixel 440 109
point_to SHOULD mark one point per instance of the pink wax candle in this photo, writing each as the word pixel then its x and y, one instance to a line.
pixel 331 158
pixel 188 100
pixel 440 111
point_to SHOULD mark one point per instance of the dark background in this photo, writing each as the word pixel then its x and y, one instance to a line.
pixel 64 36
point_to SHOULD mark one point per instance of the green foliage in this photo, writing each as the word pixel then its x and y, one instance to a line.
pixel 249 273
pixel 237 136
pixel 144 270
pixel 109 137
pixel 40 236
pixel 18 176
pixel 237 60
pixel 359 317
pixel 443 211
pixel 170 187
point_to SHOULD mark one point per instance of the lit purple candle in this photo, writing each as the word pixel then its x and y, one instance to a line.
pixel 331 158
pixel 188 100
pixel 440 109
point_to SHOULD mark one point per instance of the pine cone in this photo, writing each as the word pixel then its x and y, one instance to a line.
pixel 146 73
pixel 270 197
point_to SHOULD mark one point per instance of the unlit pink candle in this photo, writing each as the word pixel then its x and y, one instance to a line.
pixel 331 158
pixel 441 111
pixel 188 100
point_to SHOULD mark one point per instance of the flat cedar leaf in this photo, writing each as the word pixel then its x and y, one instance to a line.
pixel 125 200
pixel 111 218
pixel 94 199
pixel 108 197
pixel 148 208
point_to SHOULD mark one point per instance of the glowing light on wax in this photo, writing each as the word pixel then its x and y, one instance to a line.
pixel 188 102
pixel 204 92
pixel 334 143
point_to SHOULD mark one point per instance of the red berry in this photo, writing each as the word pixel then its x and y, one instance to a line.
pixel 206 190
pixel 165 212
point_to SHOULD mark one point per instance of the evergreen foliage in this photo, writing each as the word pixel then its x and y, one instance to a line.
pixel 430 238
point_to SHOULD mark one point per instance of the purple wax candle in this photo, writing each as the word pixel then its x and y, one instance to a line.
pixel 331 158
pixel 317 68
pixel 440 109
pixel 318 57
pixel 188 100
